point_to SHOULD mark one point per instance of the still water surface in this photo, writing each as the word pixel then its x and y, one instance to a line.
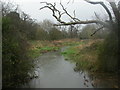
pixel 55 72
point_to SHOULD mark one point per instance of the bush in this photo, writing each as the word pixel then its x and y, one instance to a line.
pixel 108 56
pixel 15 62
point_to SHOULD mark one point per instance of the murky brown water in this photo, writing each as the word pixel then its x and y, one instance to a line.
pixel 55 72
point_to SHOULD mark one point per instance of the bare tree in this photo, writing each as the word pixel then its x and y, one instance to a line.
pixel 57 14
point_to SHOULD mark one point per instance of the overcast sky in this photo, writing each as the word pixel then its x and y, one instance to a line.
pixel 84 10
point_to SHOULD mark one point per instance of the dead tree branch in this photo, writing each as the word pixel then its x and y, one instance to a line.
pixel 104 6
pixel 75 20
pixel 97 30
pixel 83 22
pixel 54 10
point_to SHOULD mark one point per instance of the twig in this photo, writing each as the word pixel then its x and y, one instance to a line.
pixel 97 30
pixel 104 6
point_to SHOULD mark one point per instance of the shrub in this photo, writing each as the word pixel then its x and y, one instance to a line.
pixel 108 56
pixel 15 62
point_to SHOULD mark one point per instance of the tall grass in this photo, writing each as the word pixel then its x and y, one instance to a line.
pixel 84 55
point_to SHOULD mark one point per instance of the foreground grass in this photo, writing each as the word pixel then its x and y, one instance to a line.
pixel 85 55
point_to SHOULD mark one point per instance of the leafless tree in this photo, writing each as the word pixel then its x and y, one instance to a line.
pixel 57 14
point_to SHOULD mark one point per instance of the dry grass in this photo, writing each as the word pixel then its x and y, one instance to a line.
pixel 85 54
pixel 38 47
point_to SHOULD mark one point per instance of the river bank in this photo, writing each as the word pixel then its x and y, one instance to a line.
pixel 86 57
pixel 82 54
pixel 55 72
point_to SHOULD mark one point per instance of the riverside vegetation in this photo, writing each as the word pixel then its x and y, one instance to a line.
pixel 23 40
pixel 93 55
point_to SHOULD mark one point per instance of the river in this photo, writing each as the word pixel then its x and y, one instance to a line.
pixel 55 72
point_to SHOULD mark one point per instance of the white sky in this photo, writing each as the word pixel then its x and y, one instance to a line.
pixel 84 10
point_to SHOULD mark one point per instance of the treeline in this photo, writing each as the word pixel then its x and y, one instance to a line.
pixel 47 31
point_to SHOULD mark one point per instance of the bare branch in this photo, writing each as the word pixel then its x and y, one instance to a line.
pixel 53 9
pixel 96 31
pixel 74 13
pixel 75 20
pixel 96 16
pixel 84 22
pixel 104 6
pixel 68 2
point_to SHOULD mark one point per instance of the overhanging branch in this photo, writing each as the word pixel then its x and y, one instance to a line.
pixel 83 22
pixel 53 9
pixel 75 20
pixel 104 6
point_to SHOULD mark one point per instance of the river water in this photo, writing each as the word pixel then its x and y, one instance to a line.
pixel 55 72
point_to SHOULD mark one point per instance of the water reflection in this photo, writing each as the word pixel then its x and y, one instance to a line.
pixel 55 72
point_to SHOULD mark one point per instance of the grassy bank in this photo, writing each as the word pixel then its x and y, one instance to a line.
pixel 38 47
pixel 85 55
